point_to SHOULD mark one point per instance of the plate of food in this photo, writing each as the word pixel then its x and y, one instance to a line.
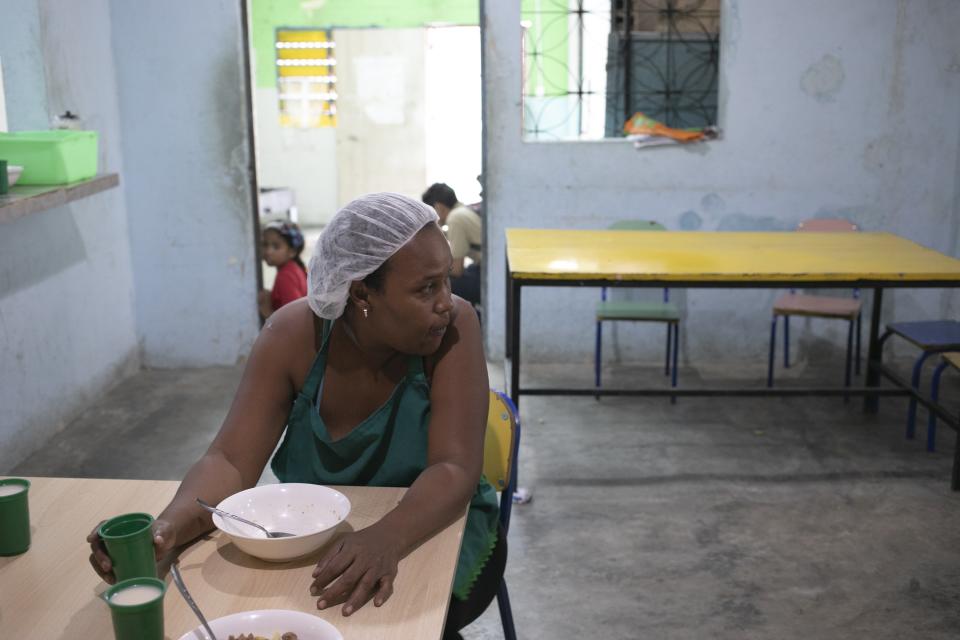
pixel 270 624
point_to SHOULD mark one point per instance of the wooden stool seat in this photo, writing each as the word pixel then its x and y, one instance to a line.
pixel 795 304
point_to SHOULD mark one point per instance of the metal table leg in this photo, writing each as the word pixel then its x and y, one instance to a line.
pixel 871 403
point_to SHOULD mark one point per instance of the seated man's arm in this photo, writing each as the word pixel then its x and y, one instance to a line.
pixel 459 245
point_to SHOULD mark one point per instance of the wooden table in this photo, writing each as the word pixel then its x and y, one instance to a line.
pixel 695 259
pixel 50 592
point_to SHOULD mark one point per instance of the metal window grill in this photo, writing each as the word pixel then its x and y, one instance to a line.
pixel 591 64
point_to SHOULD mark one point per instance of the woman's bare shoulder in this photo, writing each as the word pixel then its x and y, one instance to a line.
pixel 290 330
pixel 463 332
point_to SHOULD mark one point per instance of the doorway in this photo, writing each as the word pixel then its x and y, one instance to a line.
pixel 389 107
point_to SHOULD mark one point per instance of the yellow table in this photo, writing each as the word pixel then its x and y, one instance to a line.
pixel 50 592
pixel 726 259
pixel 620 258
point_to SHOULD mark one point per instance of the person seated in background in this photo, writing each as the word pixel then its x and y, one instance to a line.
pixel 465 234
pixel 282 243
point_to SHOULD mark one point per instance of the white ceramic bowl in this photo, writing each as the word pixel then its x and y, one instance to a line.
pixel 13 174
pixel 310 511
pixel 266 623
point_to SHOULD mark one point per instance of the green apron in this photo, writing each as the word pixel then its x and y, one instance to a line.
pixel 387 449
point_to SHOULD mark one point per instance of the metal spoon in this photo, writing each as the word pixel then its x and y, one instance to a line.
pixel 221 512
pixel 178 580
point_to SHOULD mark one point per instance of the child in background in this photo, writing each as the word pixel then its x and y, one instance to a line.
pixel 282 243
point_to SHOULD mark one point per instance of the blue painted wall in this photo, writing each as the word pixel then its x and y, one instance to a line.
pixel 67 328
pixel 159 272
pixel 181 93
pixel 827 109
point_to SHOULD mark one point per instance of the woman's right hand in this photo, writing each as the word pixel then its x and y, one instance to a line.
pixel 164 539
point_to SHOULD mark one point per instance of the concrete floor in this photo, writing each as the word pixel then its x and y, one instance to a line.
pixel 734 518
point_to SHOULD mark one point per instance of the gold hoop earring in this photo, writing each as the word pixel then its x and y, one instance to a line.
pixel 366 312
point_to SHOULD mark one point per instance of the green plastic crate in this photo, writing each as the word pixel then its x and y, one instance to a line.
pixel 51 157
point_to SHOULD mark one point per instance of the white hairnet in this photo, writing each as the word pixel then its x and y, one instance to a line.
pixel 360 238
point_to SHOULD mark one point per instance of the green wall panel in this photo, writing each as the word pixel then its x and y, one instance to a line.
pixel 266 16
pixel 546 48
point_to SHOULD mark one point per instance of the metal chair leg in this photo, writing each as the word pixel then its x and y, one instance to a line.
pixel 934 397
pixel 846 379
pixel 871 404
pixel 596 357
pixel 676 349
pixel 955 475
pixel 857 361
pixel 786 342
pixel 666 367
pixel 773 345
pixel 915 382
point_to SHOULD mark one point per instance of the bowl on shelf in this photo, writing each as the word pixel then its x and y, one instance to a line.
pixel 311 512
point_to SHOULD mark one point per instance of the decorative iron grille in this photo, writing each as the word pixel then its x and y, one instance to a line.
pixel 591 64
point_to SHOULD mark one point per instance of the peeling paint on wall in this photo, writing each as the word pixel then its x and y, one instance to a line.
pixel 823 79
pixel 713 203
pixel 690 221
pixel 879 153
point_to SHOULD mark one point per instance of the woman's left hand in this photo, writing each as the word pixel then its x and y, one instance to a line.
pixel 360 566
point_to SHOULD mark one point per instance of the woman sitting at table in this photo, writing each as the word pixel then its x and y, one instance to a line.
pixel 379 378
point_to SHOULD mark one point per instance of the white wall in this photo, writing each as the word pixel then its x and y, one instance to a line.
pixel 303 159
pixel 381 144
pixel 453 128
pixel 66 289
pixel 183 106
pixel 828 109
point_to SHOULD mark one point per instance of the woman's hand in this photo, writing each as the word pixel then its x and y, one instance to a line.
pixel 360 566
pixel 164 537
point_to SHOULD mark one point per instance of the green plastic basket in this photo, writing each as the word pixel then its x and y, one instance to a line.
pixel 51 157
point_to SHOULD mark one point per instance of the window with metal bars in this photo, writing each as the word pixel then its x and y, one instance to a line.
pixel 589 65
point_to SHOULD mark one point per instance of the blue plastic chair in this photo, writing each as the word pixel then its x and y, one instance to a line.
pixel 932 337
pixel 500 452
pixel 625 311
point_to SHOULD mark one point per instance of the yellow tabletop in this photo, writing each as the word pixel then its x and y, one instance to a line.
pixel 50 592
pixel 721 256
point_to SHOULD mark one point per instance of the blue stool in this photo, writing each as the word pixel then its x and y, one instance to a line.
pixel 949 360
pixel 932 337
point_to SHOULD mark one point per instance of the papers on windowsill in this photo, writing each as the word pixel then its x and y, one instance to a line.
pixel 643 140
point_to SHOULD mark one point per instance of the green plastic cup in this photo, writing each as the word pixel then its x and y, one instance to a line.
pixel 136 606
pixel 14 516
pixel 129 542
